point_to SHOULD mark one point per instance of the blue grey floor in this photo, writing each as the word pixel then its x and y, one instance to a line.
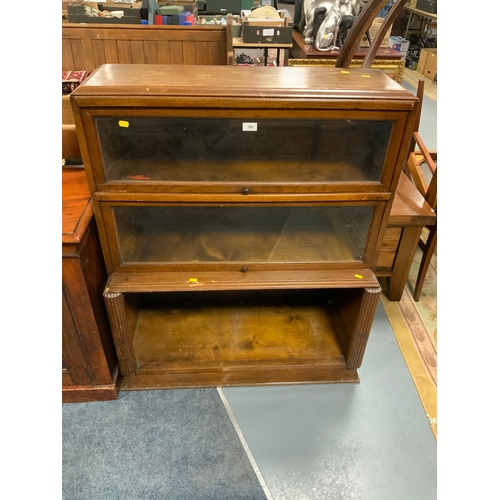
pixel 370 441
pixel 155 445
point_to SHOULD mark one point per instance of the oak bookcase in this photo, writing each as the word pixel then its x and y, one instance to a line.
pixel 241 212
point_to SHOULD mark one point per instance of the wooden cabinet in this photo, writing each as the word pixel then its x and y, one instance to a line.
pixel 89 362
pixel 241 213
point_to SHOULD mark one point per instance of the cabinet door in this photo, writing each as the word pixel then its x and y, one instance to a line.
pixel 262 236
pixel 265 152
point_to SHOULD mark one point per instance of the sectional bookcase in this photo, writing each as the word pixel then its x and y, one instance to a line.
pixel 240 213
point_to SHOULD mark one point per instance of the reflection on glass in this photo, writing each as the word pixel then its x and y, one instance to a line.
pixel 241 234
pixel 226 150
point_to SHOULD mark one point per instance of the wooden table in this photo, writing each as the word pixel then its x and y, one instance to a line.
pixel 239 44
pixel 425 18
pixel 90 366
pixel 387 59
pixel 409 214
pixel 303 50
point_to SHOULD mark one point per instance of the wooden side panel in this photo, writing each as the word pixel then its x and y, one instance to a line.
pixel 163 52
pixel 150 52
pixel 176 54
pixel 189 52
pixel 72 352
pixel 137 52
pixel 88 47
pixel 202 53
pixel 67 111
pixel 361 327
pixel 115 305
pixel 388 250
pixel 111 51
pixel 85 322
pixel 78 55
pixel 67 56
pixel 70 145
pixel 98 49
pixel 124 53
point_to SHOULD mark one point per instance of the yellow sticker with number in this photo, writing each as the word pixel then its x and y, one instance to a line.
pixel 123 123
pixel 193 280
pixel 358 276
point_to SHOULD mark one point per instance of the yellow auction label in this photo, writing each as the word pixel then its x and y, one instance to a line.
pixel 358 276
pixel 193 280
pixel 123 123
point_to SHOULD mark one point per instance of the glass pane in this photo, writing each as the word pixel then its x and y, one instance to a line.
pixel 236 150
pixel 241 234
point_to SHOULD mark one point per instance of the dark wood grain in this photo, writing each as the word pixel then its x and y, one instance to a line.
pixel 90 364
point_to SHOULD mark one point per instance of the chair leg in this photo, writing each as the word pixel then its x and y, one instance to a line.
pixel 424 263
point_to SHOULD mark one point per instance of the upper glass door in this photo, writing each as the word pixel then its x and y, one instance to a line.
pixel 156 149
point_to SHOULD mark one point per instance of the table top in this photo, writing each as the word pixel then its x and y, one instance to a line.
pixel 309 51
pixel 238 42
pixel 421 12
pixel 76 205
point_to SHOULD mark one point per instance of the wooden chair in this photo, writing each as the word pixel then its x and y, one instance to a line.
pixel 362 24
pixel 426 183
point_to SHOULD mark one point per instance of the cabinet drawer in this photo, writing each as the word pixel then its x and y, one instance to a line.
pixel 182 154
pixel 147 237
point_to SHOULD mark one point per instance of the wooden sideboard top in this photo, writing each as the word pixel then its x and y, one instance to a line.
pixel 76 205
pixel 409 207
pixel 242 86
pixel 303 50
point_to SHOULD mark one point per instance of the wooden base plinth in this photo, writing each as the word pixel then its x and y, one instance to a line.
pixel 90 393
pixel 269 376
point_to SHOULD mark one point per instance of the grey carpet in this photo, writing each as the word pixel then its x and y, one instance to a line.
pixel 177 444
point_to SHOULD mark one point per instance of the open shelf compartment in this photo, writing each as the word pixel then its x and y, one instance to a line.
pixel 215 338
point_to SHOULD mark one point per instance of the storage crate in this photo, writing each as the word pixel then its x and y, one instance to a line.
pixel 77 14
pixel 266 31
pixel 206 19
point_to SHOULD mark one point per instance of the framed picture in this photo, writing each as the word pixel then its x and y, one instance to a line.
pixel 393 68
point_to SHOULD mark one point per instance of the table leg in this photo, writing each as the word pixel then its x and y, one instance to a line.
pixel 285 57
pixel 408 25
pixel 404 257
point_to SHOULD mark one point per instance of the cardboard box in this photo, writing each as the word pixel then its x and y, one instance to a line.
pixel 255 30
pixel 207 19
pixel 377 22
pixel 431 65
pixel 400 44
pixel 423 60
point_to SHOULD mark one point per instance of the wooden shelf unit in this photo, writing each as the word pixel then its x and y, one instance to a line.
pixel 224 270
